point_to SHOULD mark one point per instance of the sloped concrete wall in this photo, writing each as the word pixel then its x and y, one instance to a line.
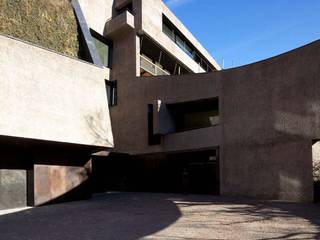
pixel 47 96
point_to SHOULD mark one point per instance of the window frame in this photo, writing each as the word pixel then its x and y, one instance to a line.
pixel 112 92
pixel 99 37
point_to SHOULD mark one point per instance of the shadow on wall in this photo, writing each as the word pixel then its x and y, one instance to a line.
pixel 296 100
pixel 277 109
pixel 61 175
pixel 95 123
pixel 78 192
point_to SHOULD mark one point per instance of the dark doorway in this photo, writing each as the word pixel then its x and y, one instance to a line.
pixel 188 172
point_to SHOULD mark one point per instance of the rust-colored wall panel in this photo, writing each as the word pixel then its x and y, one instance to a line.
pixel 52 182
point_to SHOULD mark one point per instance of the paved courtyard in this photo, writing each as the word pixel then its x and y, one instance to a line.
pixel 163 216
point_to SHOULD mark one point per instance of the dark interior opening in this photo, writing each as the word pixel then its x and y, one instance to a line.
pixel 190 172
pixel 195 115
pixel 161 62
pixel 316 169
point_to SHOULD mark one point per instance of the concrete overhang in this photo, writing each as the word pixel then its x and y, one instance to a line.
pixel 119 25
pixel 50 97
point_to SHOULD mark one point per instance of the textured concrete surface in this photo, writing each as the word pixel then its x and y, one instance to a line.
pixel 164 216
pixel 269 115
pixel 52 182
pixel 48 96
pixel 119 24
pixel 61 175
pixel 97 13
pixel 13 188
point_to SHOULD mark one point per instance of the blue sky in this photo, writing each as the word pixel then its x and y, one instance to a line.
pixel 246 31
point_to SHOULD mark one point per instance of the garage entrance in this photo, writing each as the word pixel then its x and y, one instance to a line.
pixel 187 172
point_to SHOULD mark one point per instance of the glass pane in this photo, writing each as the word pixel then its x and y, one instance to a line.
pixel 103 51
pixel 180 42
pixel 168 31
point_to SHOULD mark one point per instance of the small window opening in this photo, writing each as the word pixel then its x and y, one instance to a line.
pixel 111 87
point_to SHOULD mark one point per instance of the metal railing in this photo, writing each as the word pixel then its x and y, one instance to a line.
pixel 151 68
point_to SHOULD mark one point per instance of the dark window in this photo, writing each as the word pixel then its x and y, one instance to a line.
pixel 157 61
pixel 111 87
pixel 104 48
pixel 153 139
pixel 194 115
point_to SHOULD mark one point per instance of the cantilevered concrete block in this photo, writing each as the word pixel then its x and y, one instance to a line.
pixel 119 25
pixel 51 97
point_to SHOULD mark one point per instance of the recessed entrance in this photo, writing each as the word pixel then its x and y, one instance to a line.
pixel 187 172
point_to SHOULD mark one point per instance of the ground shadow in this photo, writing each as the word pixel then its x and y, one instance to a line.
pixel 113 216
pixel 129 216
pixel 251 211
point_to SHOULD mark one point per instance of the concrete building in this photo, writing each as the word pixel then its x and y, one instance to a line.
pixel 54 114
pixel 237 132
pixel 179 122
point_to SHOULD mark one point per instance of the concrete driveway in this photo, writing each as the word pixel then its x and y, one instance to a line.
pixel 163 216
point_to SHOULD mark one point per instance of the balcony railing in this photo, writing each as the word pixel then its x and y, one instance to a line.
pixel 152 68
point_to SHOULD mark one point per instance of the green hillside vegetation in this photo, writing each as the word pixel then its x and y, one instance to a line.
pixel 48 23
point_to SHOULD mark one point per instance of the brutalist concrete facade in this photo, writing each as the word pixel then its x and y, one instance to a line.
pixel 55 115
pixel 269 111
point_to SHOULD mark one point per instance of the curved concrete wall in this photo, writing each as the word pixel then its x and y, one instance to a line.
pixel 270 112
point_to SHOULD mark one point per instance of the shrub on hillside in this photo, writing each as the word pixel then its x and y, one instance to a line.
pixel 48 23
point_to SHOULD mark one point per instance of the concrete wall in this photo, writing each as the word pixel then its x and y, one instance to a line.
pixel 269 114
pixel 37 172
pixel 61 177
pixel 129 118
pixel 13 188
pixel 48 96
pixel 149 22
pixel 97 13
